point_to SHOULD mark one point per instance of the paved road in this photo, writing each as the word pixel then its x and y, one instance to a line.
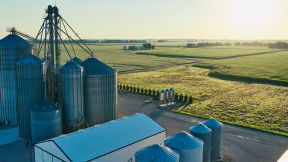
pixel 239 144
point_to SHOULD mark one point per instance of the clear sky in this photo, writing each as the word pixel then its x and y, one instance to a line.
pixel 145 19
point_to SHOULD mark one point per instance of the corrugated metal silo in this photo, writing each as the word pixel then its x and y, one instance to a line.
pixel 204 133
pixel 216 138
pixel 46 121
pixel 162 96
pixel 12 48
pixel 167 93
pixel 190 148
pixel 30 90
pixel 172 95
pixel 100 92
pixel 156 153
pixel 72 93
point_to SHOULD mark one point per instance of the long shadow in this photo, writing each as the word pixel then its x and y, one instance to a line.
pixel 248 79
pixel 212 58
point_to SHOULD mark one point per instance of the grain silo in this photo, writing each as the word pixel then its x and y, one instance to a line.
pixel 12 48
pixel 172 95
pixel 30 90
pixel 216 138
pixel 156 153
pixel 204 133
pixel 46 121
pixel 190 148
pixel 77 60
pixel 72 93
pixel 100 92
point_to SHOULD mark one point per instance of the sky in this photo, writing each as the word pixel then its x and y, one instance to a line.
pixel 155 19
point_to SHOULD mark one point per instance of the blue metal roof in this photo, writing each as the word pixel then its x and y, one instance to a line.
pixel 156 153
pixel 99 140
pixel 183 141
pixel 30 59
pixel 212 123
pixel 200 128
pixel 93 66
pixel 13 40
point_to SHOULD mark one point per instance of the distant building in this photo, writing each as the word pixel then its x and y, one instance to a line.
pixel 116 140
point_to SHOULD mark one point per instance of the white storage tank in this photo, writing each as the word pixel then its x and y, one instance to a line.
pixel 190 148
pixel 162 96
pixel 46 121
pixel 216 138
pixel 204 133
pixel 167 92
pixel 172 95
pixel 156 153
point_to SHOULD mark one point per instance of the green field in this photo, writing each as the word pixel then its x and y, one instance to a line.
pixel 263 107
pixel 272 66
pixel 113 55
pixel 207 52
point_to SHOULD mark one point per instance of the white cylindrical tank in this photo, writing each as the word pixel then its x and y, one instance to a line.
pixel 190 148
pixel 162 96
pixel 156 153
pixel 46 121
pixel 172 95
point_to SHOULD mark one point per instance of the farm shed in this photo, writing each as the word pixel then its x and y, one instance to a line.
pixel 117 140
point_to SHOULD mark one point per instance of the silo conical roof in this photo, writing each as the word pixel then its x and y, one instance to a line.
pixel 212 123
pixel 156 153
pixel 93 66
pixel 13 40
pixel 71 65
pixel 200 128
pixel 77 60
pixel 183 141
pixel 30 59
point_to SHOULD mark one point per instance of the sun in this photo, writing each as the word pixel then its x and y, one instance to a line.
pixel 250 16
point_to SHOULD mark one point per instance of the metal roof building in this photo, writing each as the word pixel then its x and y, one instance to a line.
pixel 116 140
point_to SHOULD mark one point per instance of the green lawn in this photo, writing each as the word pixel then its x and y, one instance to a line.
pixel 272 66
pixel 263 107
pixel 207 52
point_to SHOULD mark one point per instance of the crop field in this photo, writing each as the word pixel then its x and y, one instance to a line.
pixel 263 107
pixel 113 55
pixel 207 52
pixel 272 66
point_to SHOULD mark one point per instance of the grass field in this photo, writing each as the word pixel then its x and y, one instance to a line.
pixel 207 52
pixel 263 107
pixel 272 66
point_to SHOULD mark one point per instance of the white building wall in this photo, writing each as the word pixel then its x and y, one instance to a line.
pixel 127 153
pixel 42 156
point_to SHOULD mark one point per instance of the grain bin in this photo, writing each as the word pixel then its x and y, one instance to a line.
pixel 216 138
pixel 12 48
pixel 167 93
pixel 204 133
pixel 190 148
pixel 156 153
pixel 171 95
pixel 46 121
pixel 162 96
pixel 100 92
pixel 72 93
pixel 30 90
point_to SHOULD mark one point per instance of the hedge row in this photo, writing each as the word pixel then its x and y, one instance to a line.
pixel 154 93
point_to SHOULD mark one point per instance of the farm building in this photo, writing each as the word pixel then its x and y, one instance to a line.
pixel 116 140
